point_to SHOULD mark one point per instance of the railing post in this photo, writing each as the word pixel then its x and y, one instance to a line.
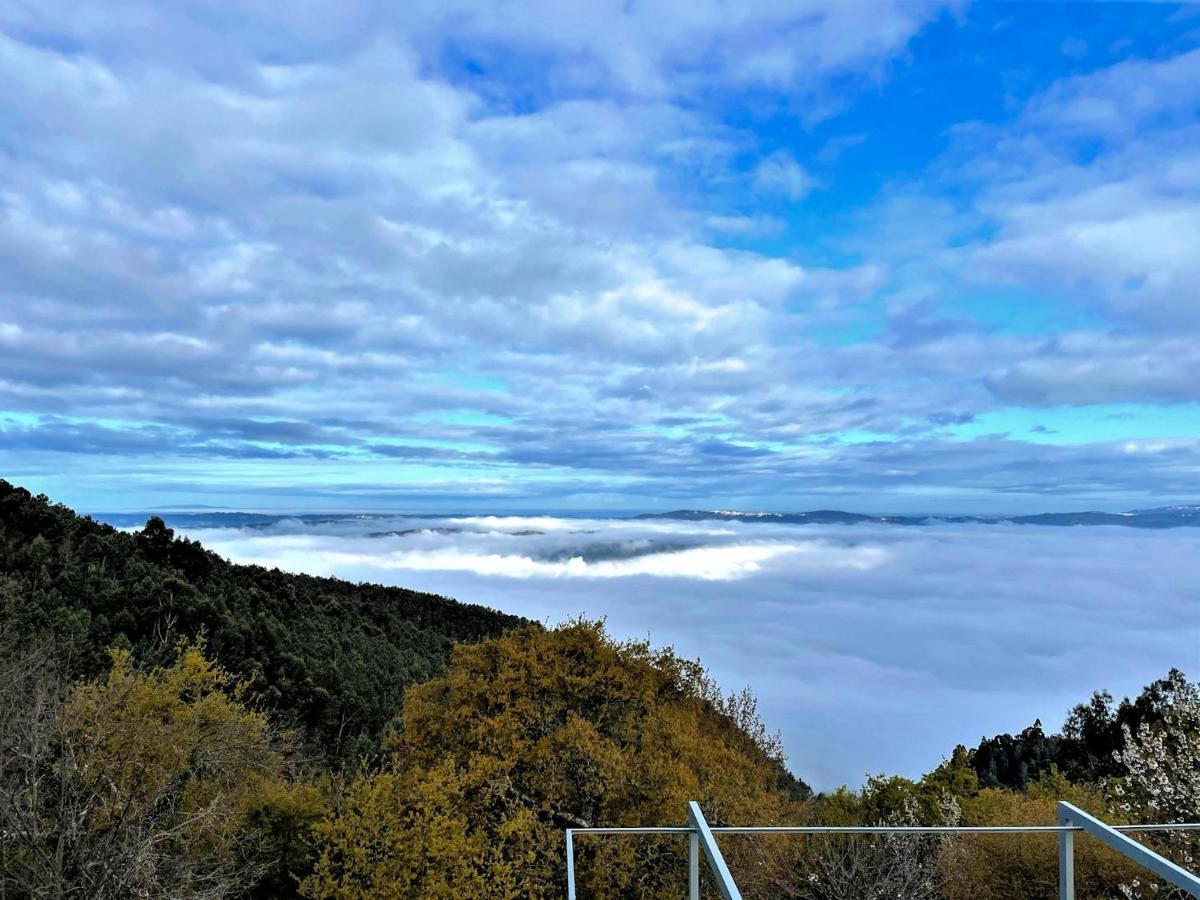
pixel 570 864
pixel 693 866
pixel 1066 857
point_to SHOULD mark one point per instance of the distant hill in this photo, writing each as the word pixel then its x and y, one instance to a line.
pixel 230 519
pixel 1159 517
pixel 333 655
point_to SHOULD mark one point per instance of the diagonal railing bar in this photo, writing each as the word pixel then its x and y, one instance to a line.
pixel 712 853
pixel 1069 815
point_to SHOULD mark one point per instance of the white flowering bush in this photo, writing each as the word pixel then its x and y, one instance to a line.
pixel 883 866
pixel 1162 783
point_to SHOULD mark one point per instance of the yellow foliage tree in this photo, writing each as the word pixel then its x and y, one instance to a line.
pixel 538 731
pixel 156 783
pixel 179 732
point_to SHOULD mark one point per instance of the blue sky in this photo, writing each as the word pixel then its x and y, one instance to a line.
pixel 888 256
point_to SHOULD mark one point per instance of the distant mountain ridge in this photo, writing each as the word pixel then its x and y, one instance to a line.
pixel 232 519
pixel 1158 517
pixel 1176 516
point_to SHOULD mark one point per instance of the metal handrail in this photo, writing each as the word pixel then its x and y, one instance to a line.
pixel 1071 820
pixel 881 829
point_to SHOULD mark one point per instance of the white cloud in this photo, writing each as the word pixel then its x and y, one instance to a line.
pixel 1089 367
pixel 1092 191
pixel 779 173
pixel 709 564
pixel 1118 101
pixel 666 47
pixel 1074 220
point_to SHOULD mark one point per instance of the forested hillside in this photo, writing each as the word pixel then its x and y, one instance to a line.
pixel 332 656
pixel 1088 748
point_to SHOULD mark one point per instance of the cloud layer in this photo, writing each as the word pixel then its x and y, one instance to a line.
pixel 872 648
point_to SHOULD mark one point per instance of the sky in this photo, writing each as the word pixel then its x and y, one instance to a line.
pixel 886 256
pixel 871 648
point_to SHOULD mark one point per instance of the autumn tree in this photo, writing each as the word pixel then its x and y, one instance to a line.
pixel 538 731
pixel 159 783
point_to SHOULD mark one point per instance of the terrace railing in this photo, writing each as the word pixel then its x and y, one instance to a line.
pixel 1071 821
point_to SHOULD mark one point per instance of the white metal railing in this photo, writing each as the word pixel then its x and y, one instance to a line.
pixel 1071 819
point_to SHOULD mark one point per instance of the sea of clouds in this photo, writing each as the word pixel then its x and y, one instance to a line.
pixel 871 648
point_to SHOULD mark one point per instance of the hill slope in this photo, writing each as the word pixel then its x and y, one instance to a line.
pixel 334 655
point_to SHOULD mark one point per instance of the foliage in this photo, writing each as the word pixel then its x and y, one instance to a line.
pixel 142 784
pixel 541 730
pixel 1088 749
pixel 333 657
pixel 1001 867
pixel 879 866
pixel 1013 761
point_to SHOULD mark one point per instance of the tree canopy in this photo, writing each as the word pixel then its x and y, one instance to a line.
pixel 537 731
